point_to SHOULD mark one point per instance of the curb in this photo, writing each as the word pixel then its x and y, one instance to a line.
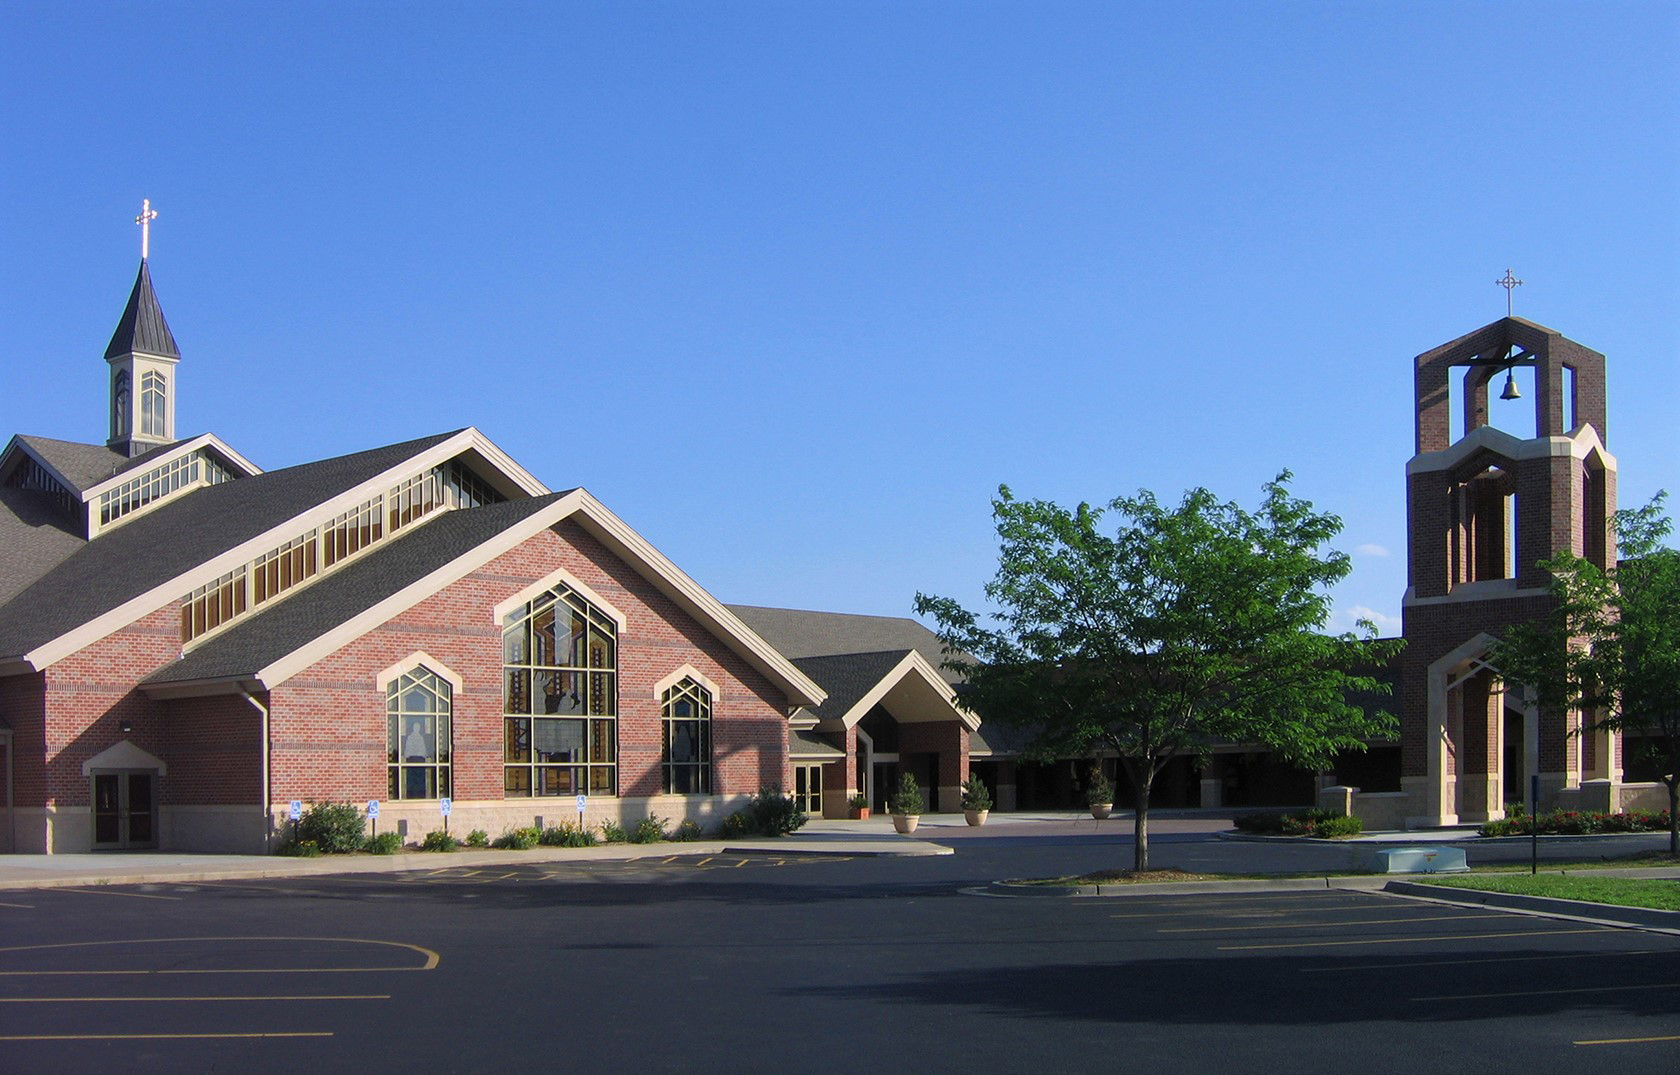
pixel 272 868
pixel 1024 890
pixel 1600 914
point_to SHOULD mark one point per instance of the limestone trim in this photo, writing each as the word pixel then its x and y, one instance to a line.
pixel 625 543
pixel 1486 590
pixel 1583 443
pixel 921 692
pixel 547 583
pixel 687 671
pixel 415 660
pixel 124 755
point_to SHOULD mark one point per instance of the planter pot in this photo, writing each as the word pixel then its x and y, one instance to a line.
pixel 860 813
pixel 906 823
pixel 975 817
pixel 1101 810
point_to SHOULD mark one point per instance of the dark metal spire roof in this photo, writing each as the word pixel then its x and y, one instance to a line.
pixel 142 327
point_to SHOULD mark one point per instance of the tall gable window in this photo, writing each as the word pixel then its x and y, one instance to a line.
pixel 153 402
pixel 560 697
pixel 418 705
pixel 686 709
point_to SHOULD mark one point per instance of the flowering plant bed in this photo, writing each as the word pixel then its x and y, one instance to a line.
pixel 1579 823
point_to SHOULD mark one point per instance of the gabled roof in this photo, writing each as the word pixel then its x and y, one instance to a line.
pixel 902 681
pixel 163 548
pixel 79 466
pixel 35 537
pixel 142 328
pixel 279 642
pixel 801 633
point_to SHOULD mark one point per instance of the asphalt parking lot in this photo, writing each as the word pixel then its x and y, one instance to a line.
pixel 766 962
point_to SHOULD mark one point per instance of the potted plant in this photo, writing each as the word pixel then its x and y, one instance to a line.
pixel 907 804
pixel 1099 794
pixel 976 800
pixel 859 806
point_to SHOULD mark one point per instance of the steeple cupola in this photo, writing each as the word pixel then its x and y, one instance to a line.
pixel 143 356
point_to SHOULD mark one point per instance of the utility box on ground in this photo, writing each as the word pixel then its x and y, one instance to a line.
pixel 1420 860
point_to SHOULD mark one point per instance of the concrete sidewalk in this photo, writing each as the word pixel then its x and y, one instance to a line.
pixel 850 838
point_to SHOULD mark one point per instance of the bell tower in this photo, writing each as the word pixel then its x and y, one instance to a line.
pixel 1482 511
pixel 142 356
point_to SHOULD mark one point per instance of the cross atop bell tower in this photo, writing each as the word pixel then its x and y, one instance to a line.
pixel 142 356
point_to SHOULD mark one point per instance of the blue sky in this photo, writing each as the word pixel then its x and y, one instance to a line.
pixel 793 286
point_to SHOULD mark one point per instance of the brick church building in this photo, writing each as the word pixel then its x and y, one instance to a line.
pixel 188 643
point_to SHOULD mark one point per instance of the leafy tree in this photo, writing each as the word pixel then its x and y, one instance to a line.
pixel 1183 627
pixel 1611 647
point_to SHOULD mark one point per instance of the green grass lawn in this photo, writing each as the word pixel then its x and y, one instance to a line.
pixel 1661 895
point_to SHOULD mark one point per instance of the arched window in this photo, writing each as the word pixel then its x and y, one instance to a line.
pixel 559 697
pixel 418 705
pixel 687 711
pixel 119 404
pixel 153 404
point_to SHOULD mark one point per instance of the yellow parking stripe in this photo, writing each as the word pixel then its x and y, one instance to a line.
pixel 1409 940
pixel 118 1000
pixel 156 1037
pixel 1629 1041
pixel 431 956
pixel 1409 964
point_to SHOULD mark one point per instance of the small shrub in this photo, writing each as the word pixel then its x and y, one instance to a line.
pixel 335 827
pixel 384 843
pixel 478 838
pixel 300 849
pixel 520 839
pixel 438 840
pixel 770 813
pixel 975 795
pixel 687 829
pixel 612 832
pixel 1578 823
pixel 649 830
pixel 567 834
pixel 736 824
pixel 908 798
pixel 1321 824
pixel 1260 824
pixel 1099 792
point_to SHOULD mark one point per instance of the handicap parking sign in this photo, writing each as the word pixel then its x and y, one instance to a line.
pixel 445 805
pixel 296 809
pixel 373 808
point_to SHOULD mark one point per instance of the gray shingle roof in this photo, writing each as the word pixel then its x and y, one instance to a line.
pixel 142 327
pixel 804 744
pixel 35 537
pixel 173 539
pixel 336 598
pixel 846 677
pixel 799 633
pixel 83 465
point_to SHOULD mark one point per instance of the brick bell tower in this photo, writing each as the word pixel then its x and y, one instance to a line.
pixel 1482 511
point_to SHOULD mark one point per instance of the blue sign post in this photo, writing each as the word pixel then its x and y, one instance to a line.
pixel 294 810
pixel 444 806
pixel 373 814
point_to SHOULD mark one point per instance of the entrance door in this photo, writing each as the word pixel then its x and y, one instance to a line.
pixel 125 809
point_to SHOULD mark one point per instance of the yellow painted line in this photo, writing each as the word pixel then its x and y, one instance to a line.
pixel 431 956
pixel 1409 940
pixel 705 860
pixel 109 892
pixel 1630 1041
pixel 1367 967
pixel 1321 925
pixel 1556 992
pixel 118 1000
pixel 20 906
pixel 156 1037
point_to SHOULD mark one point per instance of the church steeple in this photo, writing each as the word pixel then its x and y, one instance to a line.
pixel 142 355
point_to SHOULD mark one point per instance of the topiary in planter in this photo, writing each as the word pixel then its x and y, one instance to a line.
pixel 908 798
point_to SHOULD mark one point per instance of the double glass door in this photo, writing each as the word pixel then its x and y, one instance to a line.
pixel 125 809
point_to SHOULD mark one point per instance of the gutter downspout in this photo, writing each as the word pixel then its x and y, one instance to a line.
pixel 267 805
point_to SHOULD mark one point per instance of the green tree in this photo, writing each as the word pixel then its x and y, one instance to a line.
pixel 1611 647
pixel 1184 627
